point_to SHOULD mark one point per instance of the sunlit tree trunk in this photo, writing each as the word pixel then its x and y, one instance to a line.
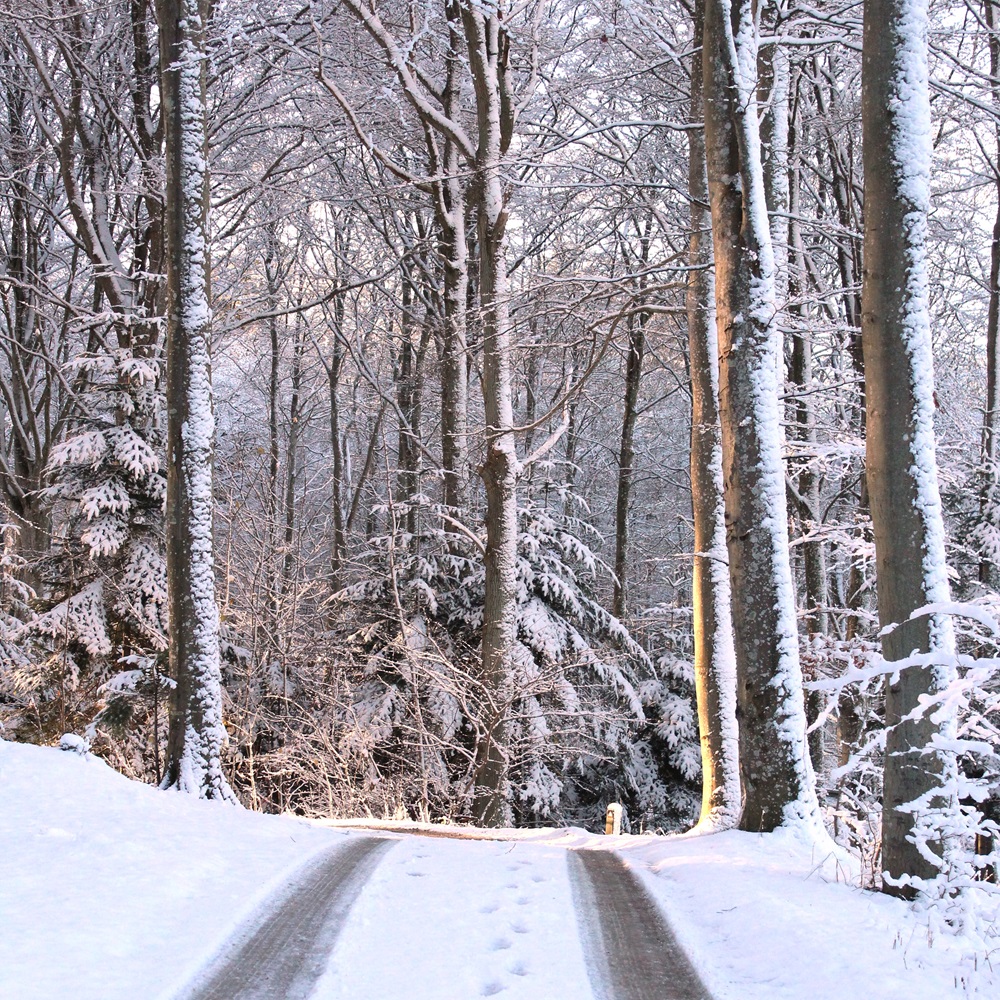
pixel 774 767
pixel 714 654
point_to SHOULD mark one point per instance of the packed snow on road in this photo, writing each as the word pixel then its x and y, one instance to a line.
pixel 112 889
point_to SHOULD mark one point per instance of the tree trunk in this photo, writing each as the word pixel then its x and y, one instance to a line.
pixel 25 448
pixel 451 222
pixel 801 375
pixel 291 462
pixel 902 473
pixel 338 547
pixel 804 424
pixel 989 563
pixel 272 269
pixel 196 733
pixel 488 48
pixel 714 655
pixel 773 89
pixel 408 451
pixel 626 459
pixel 774 766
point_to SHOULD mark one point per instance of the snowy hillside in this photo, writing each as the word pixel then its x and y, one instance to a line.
pixel 110 890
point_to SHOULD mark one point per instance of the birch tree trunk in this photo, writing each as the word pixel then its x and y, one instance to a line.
pixel 902 473
pixel 774 766
pixel 714 654
pixel 196 731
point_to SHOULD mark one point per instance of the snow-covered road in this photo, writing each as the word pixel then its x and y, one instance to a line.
pixel 507 927
pixel 111 890
pixel 285 954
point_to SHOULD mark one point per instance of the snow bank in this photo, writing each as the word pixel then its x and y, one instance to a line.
pixel 111 889
pixel 765 918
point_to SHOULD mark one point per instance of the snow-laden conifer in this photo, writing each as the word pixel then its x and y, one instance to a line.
pixel 590 716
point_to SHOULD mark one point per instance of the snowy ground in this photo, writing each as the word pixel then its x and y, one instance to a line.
pixel 109 890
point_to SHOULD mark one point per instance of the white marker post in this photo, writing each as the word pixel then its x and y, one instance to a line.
pixel 613 819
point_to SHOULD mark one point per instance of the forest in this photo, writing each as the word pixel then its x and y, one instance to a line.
pixel 488 410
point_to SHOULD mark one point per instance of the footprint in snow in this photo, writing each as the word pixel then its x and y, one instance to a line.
pixel 522 900
pixel 518 969
pixel 500 944
pixel 489 908
pixel 538 878
pixel 416 874
pixel 519 927
pixel 492 989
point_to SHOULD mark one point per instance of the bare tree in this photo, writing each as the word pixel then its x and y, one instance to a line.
pixel 714 654
pixel 774 766
pixel 196 730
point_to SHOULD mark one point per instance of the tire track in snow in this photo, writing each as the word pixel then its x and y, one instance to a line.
pixel 632 953
pixel 284 956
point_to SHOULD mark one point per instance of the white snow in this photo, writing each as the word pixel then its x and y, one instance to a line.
pixel 110 889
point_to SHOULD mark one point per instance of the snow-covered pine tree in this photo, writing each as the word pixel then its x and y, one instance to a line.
pixel 15 678
pixel 591 718
pixel 98 639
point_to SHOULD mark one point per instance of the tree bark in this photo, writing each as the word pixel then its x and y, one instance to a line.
pixel 902 475
pixel 407 397
pixel 451 223
pixel 196 734
pixel 989 563
pixel 626 460
pixel 714 654
pixel 291 461
pixel 774 767
pixel 488 47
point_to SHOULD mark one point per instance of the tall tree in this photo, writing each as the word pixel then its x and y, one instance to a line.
pixel 196 730
pixel 774 766
pixel 636 350
pixel 900 456
pixel 714 655
pixel 989 570
pixel 489 51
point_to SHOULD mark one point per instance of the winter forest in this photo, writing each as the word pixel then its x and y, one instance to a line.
pixel 486 411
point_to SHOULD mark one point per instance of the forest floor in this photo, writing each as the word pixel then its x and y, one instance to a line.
pixel 111 890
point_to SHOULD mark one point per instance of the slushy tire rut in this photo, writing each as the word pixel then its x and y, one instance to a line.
pixel 631 952
pixel 284 956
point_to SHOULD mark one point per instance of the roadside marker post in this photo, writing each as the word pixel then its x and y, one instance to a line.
pixel 613 819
